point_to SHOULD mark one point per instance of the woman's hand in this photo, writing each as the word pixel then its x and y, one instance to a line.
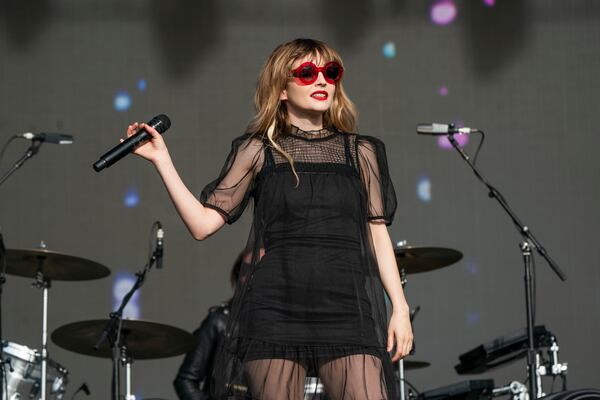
pixel 154 149
pixel 400 332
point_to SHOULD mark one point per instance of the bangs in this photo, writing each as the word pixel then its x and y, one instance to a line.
pixel 318 52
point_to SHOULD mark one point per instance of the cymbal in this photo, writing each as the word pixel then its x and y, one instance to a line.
pixel 422 259
pixel 412 364
pixel 55 265
pixel 144 340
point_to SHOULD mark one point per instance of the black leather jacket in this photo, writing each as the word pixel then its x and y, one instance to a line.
pixel 193 379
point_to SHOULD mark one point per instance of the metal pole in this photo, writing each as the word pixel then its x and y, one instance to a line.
pixel 401 373
pixel 44 341
pixel 128 394
pixel 531 350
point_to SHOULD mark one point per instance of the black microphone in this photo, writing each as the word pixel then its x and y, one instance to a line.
pixel 161 123
pixel 160 234
pixel 57 138
pixel 436 129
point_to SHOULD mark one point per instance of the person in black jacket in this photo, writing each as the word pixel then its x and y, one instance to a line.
pixel 193 379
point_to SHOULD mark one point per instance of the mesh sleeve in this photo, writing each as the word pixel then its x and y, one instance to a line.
pixel 381 197
pixel 230 193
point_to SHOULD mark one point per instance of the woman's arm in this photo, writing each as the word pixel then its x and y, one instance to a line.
pixel 201 221
pixel 399 329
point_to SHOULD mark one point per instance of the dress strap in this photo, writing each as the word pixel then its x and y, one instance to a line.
pixel 349 159
pixel 269 159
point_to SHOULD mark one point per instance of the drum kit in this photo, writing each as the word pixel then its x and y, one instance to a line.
pixel 485 357
pixel 30 374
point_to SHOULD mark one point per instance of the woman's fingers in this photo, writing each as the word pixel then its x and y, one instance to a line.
pixel 398 355
pixel 153 132
pixel 152 149
pixel 403 346
pixel 132 129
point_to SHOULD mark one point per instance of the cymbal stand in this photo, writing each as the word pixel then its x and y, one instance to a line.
pixel 31 151
pixel 126 361
pixel 112 330
pixel 42 283
pixel 2 282
pixel 529 242
pixel 401 377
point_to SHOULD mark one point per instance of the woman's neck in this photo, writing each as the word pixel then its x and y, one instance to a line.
pixel 306 122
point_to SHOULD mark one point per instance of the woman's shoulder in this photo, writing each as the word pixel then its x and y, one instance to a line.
pixel 250 141
pixel 362 139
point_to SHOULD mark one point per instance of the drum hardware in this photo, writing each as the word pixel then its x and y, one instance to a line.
pixel 44 266
pixel 516 389
pixel 3 362
pixel 138 340
pixel 24 377
pixel 579 394
pixel 314 389
pixel 413 260
pixel 514 346
pixel 126 361
pixel 467 390
pixel 550 367
pixel 121 349
pixel 36 143
pixel 501 350
pixel 529 242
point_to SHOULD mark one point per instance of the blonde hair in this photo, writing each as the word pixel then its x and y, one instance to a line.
pixel 271 113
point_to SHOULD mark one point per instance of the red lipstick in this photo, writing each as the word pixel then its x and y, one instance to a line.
pixel 320 95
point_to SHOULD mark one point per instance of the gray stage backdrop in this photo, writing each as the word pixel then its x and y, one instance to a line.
pixel 524 71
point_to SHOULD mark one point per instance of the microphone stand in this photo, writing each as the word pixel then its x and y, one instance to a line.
pixel 112 332
pixel 529 242
pixel 31 151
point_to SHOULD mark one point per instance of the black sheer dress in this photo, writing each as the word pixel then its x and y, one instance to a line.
pixel 310 302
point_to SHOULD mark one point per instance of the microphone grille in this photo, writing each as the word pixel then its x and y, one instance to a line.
pixel 161 123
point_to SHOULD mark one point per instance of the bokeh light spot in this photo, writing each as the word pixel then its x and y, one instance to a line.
pixel 122 283
pixel 122 101
pixel 443 91
pixel 424 189
pixel 141 85
pixel 444 143
pixel 132 198
pixel 473 318
pixel 471 268
pixel 443 12
pixel 389 50
pixel 489 3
